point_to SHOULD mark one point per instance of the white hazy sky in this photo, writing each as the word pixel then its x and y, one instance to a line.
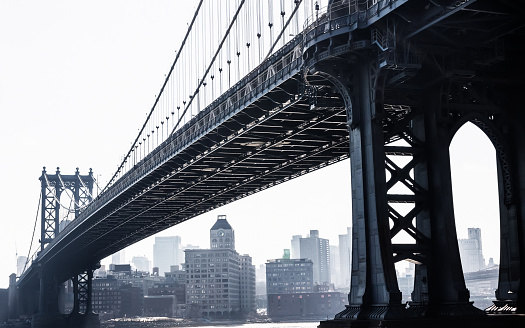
pixel 76 80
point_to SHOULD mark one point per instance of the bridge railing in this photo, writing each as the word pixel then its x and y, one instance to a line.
pixel 284 63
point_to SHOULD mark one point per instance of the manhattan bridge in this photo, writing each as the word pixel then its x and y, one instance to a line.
pixel 261 92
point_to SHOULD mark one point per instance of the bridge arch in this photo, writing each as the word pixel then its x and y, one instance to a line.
pixel 476 211
pixel 497 140
pixel 509 269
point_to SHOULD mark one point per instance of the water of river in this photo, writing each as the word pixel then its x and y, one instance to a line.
pixel 222 324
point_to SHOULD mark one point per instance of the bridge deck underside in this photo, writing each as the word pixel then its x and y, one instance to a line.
pixel 276 138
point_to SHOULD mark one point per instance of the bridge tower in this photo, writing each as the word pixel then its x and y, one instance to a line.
pixel 405 99
pixel 81 187
pixel 52 187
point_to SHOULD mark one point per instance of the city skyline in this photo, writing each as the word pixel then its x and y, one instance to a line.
pixel 76 83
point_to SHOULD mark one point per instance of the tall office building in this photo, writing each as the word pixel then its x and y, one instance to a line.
pixel 119 257
pixel 345 257
pixel 471 251
pixel 318 250
pixel 296 247
pixel 220 282
pixel 167 251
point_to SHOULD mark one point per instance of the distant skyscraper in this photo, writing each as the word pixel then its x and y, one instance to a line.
pixel 119 257
pixel 20 264
pixel 471 251
pixel 318 250
pixel 335 265
pixel 345 257
pixel 167 251
pixel 141 263
pixel 296 247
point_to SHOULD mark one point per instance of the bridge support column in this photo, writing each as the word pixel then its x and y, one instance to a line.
pixel 82 314
pixel 374 293
pixel 48 315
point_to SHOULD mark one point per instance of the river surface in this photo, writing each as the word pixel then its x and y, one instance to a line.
pixel 155 324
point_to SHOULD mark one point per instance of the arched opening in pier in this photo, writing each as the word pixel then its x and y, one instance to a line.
pixel 476 210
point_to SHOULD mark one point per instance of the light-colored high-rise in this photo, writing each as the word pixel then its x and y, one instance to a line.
pixel 167 251
pixel 141 263
pixel 345 257
pixel 20 265
pixel 318 250
pixel 119 257
pixel 296 247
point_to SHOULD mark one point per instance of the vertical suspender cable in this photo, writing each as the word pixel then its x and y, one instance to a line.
pixel 157 99
pixel 216 53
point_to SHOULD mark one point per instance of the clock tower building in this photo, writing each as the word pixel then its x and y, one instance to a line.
pixel 221 234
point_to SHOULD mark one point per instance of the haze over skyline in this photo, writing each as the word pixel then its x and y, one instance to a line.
pixel 76 80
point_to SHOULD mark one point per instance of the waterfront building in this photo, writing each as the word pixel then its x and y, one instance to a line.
pixel 167 251
pixel 213 283
pixel 166 298
pixel 288 276
pixel 318 250
pixel 306 305
pixel 292 293
pixel 113 299
pixel 213 277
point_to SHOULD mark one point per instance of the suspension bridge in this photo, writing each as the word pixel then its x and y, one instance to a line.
pixel 261 92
